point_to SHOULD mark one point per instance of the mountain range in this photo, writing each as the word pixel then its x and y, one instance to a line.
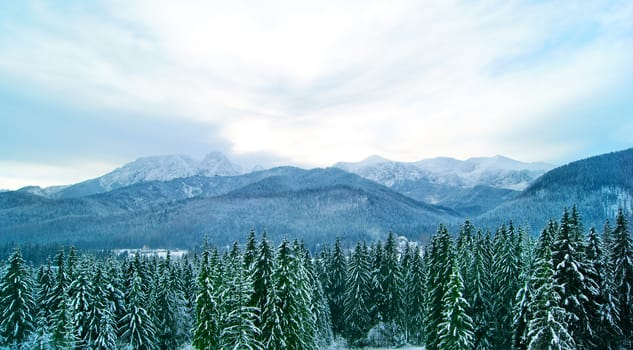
pixel 172 201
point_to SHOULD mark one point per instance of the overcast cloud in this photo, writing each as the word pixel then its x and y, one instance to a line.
pixel 87 87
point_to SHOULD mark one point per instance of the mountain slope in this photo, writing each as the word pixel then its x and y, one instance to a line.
pixel 472 186
pixel 155 168
pixel 597 185
pixel 310 204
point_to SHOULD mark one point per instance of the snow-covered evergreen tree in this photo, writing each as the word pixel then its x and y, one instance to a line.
pixel 335 291
pixel 207 329
pixel 261 274
pixel 604 323
pixel 81 298
pixel 413 310
pixel 320 307
pixel 61 322
pixel 238 317
pixel 17 302
pixel 390 303
pixel 102 323
pixel 293 293
pixel 137 327
pixel 440 266
pixel 480 303
pixel 170 305
pixel 547 328
pixel 357 289
pixel 507 267
pixel 455 331
pixel 622 251
pixel 574 278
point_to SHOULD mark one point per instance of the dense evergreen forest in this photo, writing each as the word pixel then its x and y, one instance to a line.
pixel 568 288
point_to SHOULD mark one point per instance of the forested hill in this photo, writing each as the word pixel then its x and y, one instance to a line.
pixel 607 170
pixel 598 186
pixel 310 204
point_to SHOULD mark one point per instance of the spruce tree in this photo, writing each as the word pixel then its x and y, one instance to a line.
pixel 336 288
pixel 320 307
pixel 17 303
pixel 480 304
pixel 456 328
pixel 207 329
pixel 169 307
pixel 238 318
pixel 575 279
pixel 604 323
pixel 391 286
pixel 623 278
pixel 296 322
pixel 263 289
pixel 414 307
pixel 547 328
pixel 102 322
pixel 81 297
pixel 63 334
pixel 507 280
pixel 357 289
pixel 138 330
pixel 376 295
pixel 440 266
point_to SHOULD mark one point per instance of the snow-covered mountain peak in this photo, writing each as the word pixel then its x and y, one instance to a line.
pixel 153 168
pixel 498 171
pixel 167 167
pixel 216 164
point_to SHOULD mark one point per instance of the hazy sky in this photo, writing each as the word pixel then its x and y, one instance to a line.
pixel 87 86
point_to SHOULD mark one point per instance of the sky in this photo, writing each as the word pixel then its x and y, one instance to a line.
pixel 86 86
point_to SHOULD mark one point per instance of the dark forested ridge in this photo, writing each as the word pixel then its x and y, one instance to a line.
pixel 598 186
pixel 570 288
pixel 312 205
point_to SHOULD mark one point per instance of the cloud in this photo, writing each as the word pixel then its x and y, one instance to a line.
pixel 316 82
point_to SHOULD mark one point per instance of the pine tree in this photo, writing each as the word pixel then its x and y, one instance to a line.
pixel 357 289
pixel 17 303
pixel 250 253
pixel 336 288
pixel 296 321
pixel 575 279
pixel 81 298
pixel 320 307
pixel 416 289
pixel 391 286
pixel 507 264
pixel 376 295
pixel 138 329
pixel 61 323
pixel 207 329
pixel 440 266
pixel 263 289
pixel 623 278
pixel 547 328
pixel 238 318
pixel 102 322
pixel 169 307
pixel 604 323
pixel 46 286
pixel 480 304
pixel 456 329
